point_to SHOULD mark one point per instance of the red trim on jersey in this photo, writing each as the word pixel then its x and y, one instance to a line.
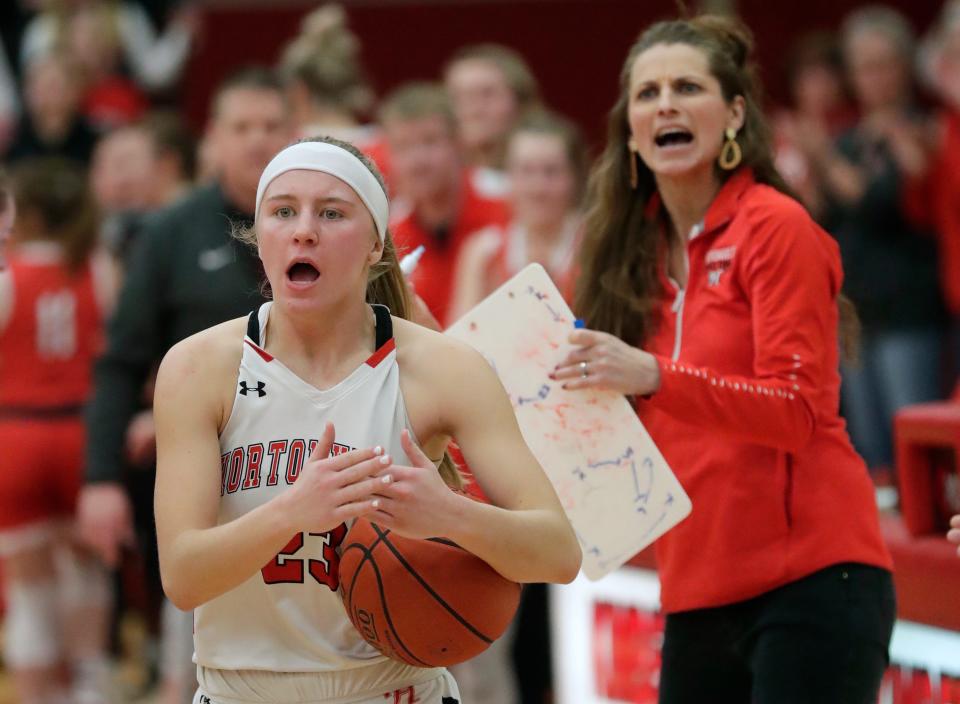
pixel 385 349
pixel 267 357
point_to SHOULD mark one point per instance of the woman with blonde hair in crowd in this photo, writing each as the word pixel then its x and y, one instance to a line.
pixel 491 87
pixel 54 296
pixel 712 299
pixel 327 88
pixel 546 168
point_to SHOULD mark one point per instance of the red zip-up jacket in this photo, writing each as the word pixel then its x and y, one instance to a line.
pixel 747 413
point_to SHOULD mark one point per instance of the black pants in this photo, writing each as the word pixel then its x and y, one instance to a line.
pixel 820 640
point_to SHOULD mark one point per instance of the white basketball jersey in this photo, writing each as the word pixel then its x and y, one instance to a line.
pixel 289 617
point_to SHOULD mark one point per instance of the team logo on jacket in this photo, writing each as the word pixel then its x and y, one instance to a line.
pixel 259 389
pixel 717 262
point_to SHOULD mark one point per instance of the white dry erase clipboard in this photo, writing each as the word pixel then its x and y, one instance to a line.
pixel 614 484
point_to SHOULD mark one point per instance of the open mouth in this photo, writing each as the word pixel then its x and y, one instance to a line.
pixel 673 137
pixel 303 273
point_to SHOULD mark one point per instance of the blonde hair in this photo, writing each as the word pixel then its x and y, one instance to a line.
pixel 386 284
pixel 325 58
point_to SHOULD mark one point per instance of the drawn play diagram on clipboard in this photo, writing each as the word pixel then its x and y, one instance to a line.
pixel 614 484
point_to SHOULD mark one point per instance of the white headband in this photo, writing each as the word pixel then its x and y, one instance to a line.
pixel 336 161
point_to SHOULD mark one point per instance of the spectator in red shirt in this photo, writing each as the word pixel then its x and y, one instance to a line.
pixel 440 204
pixel 712 297
pixel 546 166
pixel 491 88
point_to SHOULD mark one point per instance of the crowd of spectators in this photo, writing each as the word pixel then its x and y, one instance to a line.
pixel 485 177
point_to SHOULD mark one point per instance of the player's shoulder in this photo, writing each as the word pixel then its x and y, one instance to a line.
pixel 435 357
pixel 208 355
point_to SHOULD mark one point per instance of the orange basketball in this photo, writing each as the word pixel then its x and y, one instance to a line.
pixel 427 603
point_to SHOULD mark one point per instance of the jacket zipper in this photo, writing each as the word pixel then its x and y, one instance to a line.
pixel 678 333
pixel 678 307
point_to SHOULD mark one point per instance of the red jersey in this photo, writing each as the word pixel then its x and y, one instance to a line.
pixel 512 256
pixel 934 201
pixel 747 414
pixel 433 278
pixel 52 335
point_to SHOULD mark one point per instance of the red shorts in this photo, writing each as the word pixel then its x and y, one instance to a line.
pixel 40 470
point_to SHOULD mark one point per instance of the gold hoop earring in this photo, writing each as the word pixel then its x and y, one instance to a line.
pixel 731 154
pixel 632 156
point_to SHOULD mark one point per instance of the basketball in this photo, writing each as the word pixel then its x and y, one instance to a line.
pixel 427 603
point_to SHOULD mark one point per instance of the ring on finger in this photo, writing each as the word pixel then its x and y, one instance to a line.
pixel 583 370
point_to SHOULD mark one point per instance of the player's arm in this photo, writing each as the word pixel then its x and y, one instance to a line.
pixel 200 560
pixel 525 534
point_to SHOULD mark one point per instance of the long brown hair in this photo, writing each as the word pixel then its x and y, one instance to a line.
pixel 386 284
pixel 55 191
pixel 619 285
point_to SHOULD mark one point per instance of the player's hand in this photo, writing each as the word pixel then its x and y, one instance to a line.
pixel 105 520
pixel 142 439
pixel 417 503
pixel 331 490
pixel 954 534
pixel 604 361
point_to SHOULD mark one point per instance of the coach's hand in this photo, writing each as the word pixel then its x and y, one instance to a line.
pixel 604 361
pixel 331 490
pixel 417 503
pixel 954 535
pixel 105 520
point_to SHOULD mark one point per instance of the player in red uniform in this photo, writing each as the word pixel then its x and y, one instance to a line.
pixel 51 313
pixel 546 166
pixel 714 300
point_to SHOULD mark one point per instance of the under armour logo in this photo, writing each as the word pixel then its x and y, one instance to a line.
pixel 261 385
pixel 204 699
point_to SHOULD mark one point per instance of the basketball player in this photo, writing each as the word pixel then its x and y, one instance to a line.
pixel 260 469
pixel 53 298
